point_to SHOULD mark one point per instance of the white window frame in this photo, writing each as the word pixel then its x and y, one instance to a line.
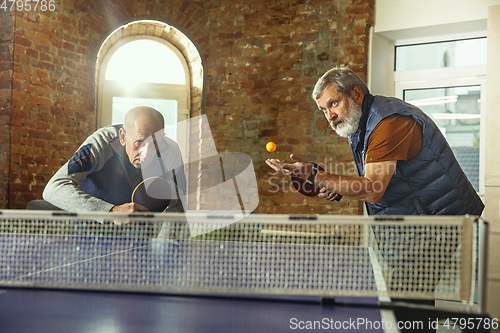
pixel 107 89
pixel 450 77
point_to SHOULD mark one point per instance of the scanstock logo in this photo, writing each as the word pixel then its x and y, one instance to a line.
pixel 226 186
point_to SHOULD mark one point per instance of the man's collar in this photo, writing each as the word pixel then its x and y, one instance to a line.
pixel 117 146
pixel 365 110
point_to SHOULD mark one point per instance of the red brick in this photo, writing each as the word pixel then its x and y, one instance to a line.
pixel 23 41
pixel 41 74
pixel 41 37
pixel 39 100
pixel 68 47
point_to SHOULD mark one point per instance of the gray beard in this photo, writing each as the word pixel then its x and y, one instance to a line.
pixel 349 124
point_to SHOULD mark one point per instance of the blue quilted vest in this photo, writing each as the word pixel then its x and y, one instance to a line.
pixel 432 183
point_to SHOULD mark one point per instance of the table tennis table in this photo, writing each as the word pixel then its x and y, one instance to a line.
pixel 85 280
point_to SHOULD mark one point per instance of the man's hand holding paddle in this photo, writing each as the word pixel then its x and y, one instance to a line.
pixel 130 207
pixel 303 173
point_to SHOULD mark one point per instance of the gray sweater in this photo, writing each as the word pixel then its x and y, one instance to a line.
pixel 100 175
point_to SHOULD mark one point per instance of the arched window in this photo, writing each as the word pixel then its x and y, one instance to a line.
pixel 151 63
pixel 145 70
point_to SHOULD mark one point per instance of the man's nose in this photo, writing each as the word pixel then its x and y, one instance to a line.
pixel 330 116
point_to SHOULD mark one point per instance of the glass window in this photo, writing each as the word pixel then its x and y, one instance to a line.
pixel 466 52
pixel 144 71
pixel 457 112
pixel 145 61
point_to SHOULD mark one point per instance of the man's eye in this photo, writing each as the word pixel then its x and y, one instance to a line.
pixel 334 103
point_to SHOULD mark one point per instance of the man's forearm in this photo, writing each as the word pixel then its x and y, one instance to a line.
pixel 62 192
pixel 359 188
pixel 74 200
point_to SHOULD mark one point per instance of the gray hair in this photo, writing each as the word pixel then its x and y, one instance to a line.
pixel 343 78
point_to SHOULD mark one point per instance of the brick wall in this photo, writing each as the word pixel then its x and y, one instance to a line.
pixel 265 57
pixel 261 59
pixel 6 24
pixel 52 96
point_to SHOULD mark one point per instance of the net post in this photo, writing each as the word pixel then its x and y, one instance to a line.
pixel 482 264
pixel 466 259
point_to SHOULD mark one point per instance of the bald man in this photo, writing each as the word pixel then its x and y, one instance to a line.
pixel 116 164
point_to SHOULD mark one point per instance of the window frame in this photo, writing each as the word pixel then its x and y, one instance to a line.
pixel 449 77
pixel 107 89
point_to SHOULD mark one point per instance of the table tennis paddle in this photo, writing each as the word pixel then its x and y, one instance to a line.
pixel 308 188
pixel 154 193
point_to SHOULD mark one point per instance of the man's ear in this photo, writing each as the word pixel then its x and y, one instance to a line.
pixel 121 135
pixel 357 95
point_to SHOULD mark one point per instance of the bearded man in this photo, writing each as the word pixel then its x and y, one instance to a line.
pixel 404 163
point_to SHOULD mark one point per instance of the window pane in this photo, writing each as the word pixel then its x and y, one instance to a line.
pixel 145 61
pixel 465 52
pixel 167 107
pixel 456 111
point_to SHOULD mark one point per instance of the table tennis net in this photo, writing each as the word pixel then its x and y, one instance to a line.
pixel 410 257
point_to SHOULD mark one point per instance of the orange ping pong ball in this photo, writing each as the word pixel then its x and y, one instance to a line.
pixel 271 146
